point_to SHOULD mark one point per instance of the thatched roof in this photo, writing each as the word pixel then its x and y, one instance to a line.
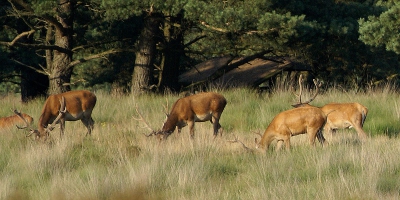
pixel 251 73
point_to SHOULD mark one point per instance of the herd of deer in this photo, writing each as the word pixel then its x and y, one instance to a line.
pixel 201 107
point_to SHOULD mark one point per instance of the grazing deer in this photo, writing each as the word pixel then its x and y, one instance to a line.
pixel 293 122
pixel 201 107
pixel 67 106
pixel 341 115
pixel 15 120
pixel 300 120
pixel 345 115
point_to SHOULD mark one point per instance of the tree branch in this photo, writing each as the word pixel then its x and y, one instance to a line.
pixel 22 3
pixel 18 37
pixel 37 46
pixel 48 19
pixel 226 30
pixel 97 43
pixel 194 40
pixel 95 56
pixel 30 67
pixel 213 28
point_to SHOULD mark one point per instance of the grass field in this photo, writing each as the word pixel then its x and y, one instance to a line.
pixel 119 162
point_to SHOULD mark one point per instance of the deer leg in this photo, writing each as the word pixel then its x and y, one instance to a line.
pixel 321 138
pixel 361 134
pixel 216 125
pixel 62 127
pixel 89 123
pixel 287 143
pixel 279 144
pixel 191 128
pixel 328 131
pixel 312 134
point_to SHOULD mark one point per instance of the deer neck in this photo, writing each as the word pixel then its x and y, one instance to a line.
pixel 266 139
pixel 170 125
pixel 42 123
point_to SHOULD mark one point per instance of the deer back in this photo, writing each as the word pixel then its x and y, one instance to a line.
pixel 13 120
pixel 297 120
pixel 187 108
pixel 339 112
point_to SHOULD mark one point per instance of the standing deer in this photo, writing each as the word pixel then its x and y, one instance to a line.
pixel 301 120
pixel 293 122
pixel 345 115
pixel 67 106
pixel 15 120
pixel 341 115
pixel 201 107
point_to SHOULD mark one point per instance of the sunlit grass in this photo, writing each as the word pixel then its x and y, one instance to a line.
pixel 119 162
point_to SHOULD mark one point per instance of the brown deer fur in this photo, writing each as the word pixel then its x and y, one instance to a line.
pixel 14 120
pixel 345 115
pixel 67 106
pixel 206 106
pixel 293 122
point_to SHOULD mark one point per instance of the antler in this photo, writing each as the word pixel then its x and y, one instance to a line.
pixel 236 140
pixel 317 84
pixel 27 125
pixel 166 107
pixel 258 133
pixel 144 121
pixel 62 111
pixel 31 130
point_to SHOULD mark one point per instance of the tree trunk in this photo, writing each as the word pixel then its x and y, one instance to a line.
pixel 142 78
pixel 60 72
pixel 32 84
pixel 169 75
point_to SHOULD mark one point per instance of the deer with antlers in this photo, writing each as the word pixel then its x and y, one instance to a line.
pixel 341 115
pixel 67 106
pixel 301 120
pixel 15 120
pixel 201 107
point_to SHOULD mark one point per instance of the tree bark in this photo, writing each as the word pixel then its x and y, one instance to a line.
pixel 142 78
pixel 60 72
pixel 168 78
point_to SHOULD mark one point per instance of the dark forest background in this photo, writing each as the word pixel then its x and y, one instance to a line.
pixel 136 47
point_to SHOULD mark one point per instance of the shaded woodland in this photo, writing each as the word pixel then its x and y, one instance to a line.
pixel 137 47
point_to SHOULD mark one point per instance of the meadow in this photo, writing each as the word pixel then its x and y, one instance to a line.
pixel 119 162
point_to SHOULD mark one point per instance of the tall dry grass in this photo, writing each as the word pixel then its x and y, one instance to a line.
pixel 119 162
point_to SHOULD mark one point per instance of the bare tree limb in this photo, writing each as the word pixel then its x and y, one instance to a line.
pixel 194 40
pixel 21 35
pixel 95 56
pixel 38 46
pixel 30 67
pixel 213 28
pixel 222 30
pixel 48 19
pixel 97 43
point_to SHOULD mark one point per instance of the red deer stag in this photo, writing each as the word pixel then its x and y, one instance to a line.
pixel 201 107
pixel 67 106
pixel 341 116
pixel 15 120
pixel 301 120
